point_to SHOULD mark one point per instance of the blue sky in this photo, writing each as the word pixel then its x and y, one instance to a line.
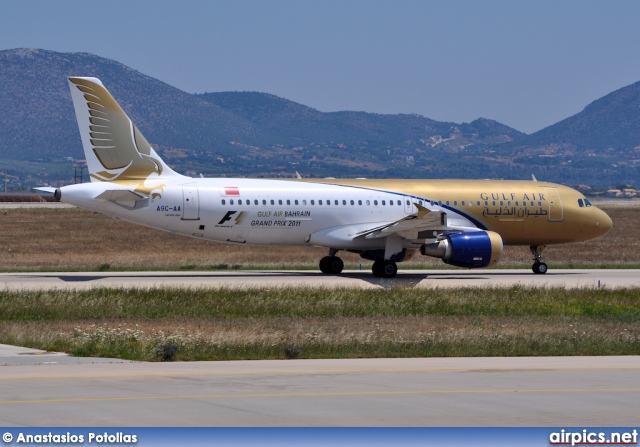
pixel 525 64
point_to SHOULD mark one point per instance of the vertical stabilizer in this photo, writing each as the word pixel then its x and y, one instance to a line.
pixel 114 147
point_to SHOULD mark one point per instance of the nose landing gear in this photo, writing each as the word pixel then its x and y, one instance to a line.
pixel 538 266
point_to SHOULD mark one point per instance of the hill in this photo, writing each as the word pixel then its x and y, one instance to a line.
pixel 258 134
pixel 612 121
pixel 230 133
pixel 598 146
pixel 38 121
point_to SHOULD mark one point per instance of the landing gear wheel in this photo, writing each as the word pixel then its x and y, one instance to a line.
pixel 376 268
pixel 539 268
pixel 331 265
pixel 389 269
pixel 384 269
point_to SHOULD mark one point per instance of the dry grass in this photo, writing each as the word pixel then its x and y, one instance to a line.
pixel 284 323
pixel 305 331
pixel 61 239
pixel 249 338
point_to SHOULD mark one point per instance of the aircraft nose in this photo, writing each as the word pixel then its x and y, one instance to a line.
pixel 603 222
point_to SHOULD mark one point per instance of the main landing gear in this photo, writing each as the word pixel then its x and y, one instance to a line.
pixel 538 266
pixel 384 269
pixel 331 265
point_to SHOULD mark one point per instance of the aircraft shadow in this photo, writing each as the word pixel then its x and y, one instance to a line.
pixel 402 280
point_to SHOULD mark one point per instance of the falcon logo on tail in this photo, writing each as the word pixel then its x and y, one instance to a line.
pixel 115 149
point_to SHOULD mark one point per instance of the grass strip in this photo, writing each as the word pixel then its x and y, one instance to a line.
pixel 150 303
pixel 225 324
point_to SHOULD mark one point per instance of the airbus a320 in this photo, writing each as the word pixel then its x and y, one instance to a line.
pixel 465 223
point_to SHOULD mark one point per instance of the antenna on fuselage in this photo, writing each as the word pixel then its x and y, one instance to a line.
pixel 533 177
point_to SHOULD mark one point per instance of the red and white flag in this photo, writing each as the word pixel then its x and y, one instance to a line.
pixel 226 191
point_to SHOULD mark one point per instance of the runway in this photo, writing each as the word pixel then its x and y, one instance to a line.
pixel 355 279
pixel 543 391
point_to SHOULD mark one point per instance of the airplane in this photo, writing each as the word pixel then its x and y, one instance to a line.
pixel 465 223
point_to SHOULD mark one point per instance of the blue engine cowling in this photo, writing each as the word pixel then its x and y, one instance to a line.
pixel 471 250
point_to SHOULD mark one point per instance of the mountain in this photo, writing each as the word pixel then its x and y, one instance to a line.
pixel 230 133
pixel 612 121
pixel 38 121
pixel 598 146
pixel 258 134
pixel 286 119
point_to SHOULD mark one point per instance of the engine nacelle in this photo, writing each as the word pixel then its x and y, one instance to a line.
pixel 471 250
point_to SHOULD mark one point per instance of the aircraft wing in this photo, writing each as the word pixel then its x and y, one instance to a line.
pixel 408 227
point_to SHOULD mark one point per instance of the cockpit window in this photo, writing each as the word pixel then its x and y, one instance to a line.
pixel 580 203
pixel 587 203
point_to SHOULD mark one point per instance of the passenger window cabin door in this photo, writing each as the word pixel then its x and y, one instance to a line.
pixel 556 213
pixel 190 203
pixel 408 205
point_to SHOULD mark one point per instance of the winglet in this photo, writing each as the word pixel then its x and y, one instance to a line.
pixel 422 211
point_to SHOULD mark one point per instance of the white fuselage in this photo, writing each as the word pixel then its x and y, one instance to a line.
pixel 260 212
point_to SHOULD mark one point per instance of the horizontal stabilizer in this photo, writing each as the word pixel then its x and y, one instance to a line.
pixel 47 189
pixel 121 195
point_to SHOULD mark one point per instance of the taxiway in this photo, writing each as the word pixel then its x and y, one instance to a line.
pixel 541 391
pixel 610 278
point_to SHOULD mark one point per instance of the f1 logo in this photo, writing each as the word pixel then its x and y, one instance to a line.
pixel 227 217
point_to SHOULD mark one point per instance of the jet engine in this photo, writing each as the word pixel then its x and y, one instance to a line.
pixel 471 250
